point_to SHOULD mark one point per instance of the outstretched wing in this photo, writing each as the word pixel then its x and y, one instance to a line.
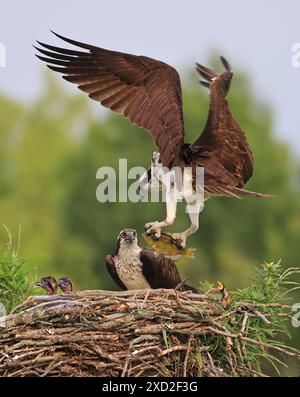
pixel 146 91
pixel 222 148
pixel 158 270
pixel 110 265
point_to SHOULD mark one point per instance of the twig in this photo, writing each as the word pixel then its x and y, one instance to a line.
pixel 19 364
pixel 186 357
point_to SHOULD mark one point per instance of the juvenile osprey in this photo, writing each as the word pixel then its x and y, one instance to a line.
pixel 135 267
pixel 66 285
pixel 49 284
pixel 148 93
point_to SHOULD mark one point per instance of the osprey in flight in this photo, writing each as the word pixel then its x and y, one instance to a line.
pixel 148 93
pixel 135 267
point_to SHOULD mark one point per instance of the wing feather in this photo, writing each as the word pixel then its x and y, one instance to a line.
pixel 222 148
pixel 145 90
pixel 159 271
pixel 110 265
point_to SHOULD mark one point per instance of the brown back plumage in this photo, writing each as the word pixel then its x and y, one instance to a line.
pixel 146 91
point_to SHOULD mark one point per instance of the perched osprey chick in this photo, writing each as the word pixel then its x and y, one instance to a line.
pixel 135 267
pixel 49 284
pixel 66 285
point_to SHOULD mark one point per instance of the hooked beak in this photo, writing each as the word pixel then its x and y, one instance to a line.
pixel 129 238
pixel 38 284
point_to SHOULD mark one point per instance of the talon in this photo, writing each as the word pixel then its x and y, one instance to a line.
pixel 176 242
pixel 154 237
pixel 152 234
pixel 153 229
pixel 178 239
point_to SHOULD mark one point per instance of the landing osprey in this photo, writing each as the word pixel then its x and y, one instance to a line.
pixel 135 267
pixel 148 93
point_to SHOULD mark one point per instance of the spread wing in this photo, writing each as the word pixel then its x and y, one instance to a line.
pixel 158 270
pixel 146 91
pixel 110 265
pixel 222 148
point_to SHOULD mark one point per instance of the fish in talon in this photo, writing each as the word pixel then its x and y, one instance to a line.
pixel 166 245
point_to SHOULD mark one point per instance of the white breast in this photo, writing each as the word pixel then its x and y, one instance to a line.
pixel 129 268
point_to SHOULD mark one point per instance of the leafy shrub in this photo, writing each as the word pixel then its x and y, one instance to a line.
pixel 14 280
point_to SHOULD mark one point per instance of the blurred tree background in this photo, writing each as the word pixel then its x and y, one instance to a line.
pixel 51 149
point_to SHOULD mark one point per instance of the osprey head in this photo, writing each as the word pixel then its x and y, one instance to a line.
pixel 65 284
pixel 49 284
pixel 127 237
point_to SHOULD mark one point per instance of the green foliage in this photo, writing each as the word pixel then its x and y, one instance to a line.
pixel 271 284
pixel 268 287
pixel 260 315
pixel 269 294
pixel 14 283
pixel 206 285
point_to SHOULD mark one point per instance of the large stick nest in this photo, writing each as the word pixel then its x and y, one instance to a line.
pixel 129 333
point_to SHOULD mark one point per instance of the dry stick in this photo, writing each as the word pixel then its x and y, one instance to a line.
pixel 261 316
pixel 50 368
pixel 132 343
pixel 145 299
pixel 269 346
pixel 148 365
pixel 256 342
pixel 212 363
pixel 142 368
pixel 244 323
pixel 251 305
pixel 186 357
pixel 123 374
pixel 173 349
pixel 21 365
pixel 56 303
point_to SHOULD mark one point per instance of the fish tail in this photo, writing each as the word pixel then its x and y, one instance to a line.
pixel 191 253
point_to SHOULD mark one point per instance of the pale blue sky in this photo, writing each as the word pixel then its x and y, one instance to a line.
pixel 255 35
